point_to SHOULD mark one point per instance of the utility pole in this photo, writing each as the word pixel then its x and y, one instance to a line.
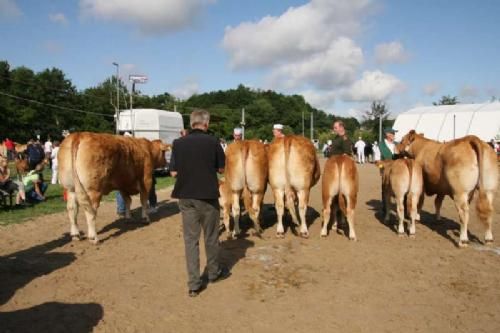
pixel 380 128
pixel 303 133
pixel 312 126
pixel 117 110
pixel 242 123
pixel 454 119
pixel 135 79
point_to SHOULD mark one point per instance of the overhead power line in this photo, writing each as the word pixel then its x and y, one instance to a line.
pixel 56 106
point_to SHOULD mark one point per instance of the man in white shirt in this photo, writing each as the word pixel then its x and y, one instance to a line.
pixel 47 148
pixel 360 150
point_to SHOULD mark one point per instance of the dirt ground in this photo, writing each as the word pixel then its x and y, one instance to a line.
pixel 135 280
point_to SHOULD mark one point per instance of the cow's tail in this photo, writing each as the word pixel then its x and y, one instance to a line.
pixel 287 143
pixel 483 206
pixel 75 144
pixel 409 165
pixel 341 165
pixel 245 147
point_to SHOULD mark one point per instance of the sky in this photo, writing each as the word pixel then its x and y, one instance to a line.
pixel 339 54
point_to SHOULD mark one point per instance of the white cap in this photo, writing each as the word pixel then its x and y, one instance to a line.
pixel 278 126
pixel 329 142
pixel 237 131
pixel 127 134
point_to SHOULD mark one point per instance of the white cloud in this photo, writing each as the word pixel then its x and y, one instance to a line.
pixel 468 91
pixel 372 86
pixel 393 52
pixel 320 100
pixel 9 9
pixel 58 18
pixel 431 89
pixel 336 66
pixel 150 16
pixel 355 113
pixel 297 33
pixel 186 90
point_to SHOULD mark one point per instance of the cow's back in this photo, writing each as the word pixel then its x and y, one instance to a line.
pixel 103 162
pixel 256 166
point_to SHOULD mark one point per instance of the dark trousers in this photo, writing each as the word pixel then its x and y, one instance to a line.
pixel 198 215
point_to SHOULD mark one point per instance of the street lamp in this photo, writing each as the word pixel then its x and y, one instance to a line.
pixel 117 94
pixel 135 79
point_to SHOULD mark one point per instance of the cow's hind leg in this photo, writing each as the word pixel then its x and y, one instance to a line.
pixel 484 207
pixel 144 203
pixel 350 216
pixel 280 210
pixel 327 209
pixel 401 214
pixel 236 212
pixel 462 205
pixel 255 211
pixel 413 199
pixel 128 202
pixel 438 202
pixel 72 207
pixel 303 200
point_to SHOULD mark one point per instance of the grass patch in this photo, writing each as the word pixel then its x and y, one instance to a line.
pixel 54 201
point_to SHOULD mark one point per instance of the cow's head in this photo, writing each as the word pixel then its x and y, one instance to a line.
pixel 405 146
pixel 158 153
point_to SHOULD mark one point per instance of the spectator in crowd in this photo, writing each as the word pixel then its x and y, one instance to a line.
pixel 369 152
pixel 341 144
pixel 7 184
pixel 35 153
pixel 360 150
pixel 196 160
pixel 9 145
pixel 278 131
pixel 34 184
pixel 237 134
pixel 53 158
pixel 376 152
pixel 223 144
pixel 47 148
pixel 388 145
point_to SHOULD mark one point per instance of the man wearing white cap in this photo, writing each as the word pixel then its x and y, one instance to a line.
pixel 278 131
pixel 237 134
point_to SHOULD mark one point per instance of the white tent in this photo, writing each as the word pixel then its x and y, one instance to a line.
pixel 446 122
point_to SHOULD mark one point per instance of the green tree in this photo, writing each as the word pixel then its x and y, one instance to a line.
pixel 447 100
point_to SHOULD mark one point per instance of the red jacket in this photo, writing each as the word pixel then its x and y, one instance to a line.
pixel 9 144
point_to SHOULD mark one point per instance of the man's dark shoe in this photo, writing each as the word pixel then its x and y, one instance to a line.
pixel 196 292
pixel 224 273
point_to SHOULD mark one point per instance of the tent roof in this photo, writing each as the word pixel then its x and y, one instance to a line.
pixel 446 122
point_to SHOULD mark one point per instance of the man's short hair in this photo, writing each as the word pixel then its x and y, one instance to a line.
pixel 340 122
pixel 199 117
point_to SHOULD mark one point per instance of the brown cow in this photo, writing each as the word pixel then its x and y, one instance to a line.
pixel 226 203
pixel 400 178
pixel 92 165
pixel 246 168
pixel 457 168
pixel 340 182
pixel 293 170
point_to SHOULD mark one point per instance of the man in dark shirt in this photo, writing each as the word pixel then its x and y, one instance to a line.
pixel 195 161
pixel 341 144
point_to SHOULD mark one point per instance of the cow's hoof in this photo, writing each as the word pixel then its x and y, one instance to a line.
pixel 323 236
pixel 76 237
pixel 463 243
pixel 412 236
pixel 401 234
pixel 488 241
pixel 354 239
pixel 94 240
pixel 304 234
pixel 280 235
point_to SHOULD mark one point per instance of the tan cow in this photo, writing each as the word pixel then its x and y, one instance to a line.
pixel 293 170
pixel 340 182
pixel 92 165
pixel 226 203
pixel 457 168
pixel 246 167
pixel 400 178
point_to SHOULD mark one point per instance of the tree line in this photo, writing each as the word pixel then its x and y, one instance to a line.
pixel 45 103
